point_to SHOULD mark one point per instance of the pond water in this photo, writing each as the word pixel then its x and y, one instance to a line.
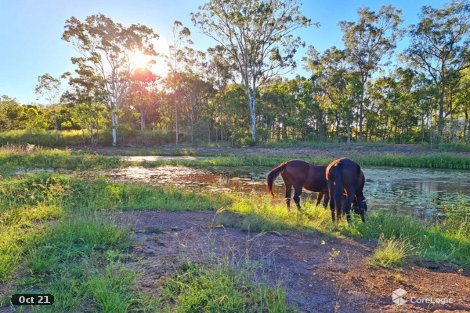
pixel 424 193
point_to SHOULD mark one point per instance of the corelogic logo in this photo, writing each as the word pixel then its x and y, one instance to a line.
pixel 397 296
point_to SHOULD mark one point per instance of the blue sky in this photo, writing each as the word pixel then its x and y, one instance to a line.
pixel 31 30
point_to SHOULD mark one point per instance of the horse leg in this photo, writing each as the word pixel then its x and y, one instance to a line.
pixel 347 205
pixel 288 194
pixel 332 198
pixel 319 197
pixel 297 193
pixel 326 199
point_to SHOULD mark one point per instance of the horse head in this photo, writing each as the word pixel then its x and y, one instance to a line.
pixel 360 206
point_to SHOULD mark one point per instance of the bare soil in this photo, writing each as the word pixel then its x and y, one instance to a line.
pixel 319 273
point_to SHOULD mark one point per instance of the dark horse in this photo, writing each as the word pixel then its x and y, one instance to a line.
pixel 300 174
pixel 345 177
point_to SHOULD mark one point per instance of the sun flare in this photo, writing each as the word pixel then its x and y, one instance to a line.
pixel 139 59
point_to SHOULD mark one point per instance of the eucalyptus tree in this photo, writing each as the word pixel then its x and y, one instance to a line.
pixel 335 84
pixel 12 114
pixel 181 43
pixel 219 72
pixel 368 42
pixel 50 89
pixel 106 47
pixel 257 35
pixel 141 95
pixel 85 96
pixel 440 48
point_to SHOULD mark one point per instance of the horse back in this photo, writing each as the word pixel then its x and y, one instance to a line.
pixel 296 172
pixel 316 180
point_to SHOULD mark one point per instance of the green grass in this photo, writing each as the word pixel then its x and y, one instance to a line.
pixel 44 138
pixel 19 230
pixel 391 253
pixel 15 158
pixel 24 158
pixel 53 237
pixel 51 227
pixel 74 260
pixel 197 288
pixel 437 160
pixel 75 138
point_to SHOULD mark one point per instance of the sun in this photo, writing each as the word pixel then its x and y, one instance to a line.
pixel 140 60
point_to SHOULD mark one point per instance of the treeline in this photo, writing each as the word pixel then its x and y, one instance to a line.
pixel 234 92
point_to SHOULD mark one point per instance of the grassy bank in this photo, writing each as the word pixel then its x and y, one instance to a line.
pixel 443 161
pixel 447 242
pixel 79 138
pixel 54 238
pixel 24 158
pixel 17 158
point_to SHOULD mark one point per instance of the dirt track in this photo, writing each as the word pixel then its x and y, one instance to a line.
pixel 316 276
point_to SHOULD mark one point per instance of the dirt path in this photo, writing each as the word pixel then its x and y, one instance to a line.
pixel 321 274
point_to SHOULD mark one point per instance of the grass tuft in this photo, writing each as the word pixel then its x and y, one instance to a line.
pixel 391 252
pixel 219 289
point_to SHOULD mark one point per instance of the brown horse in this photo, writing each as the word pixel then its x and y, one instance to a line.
pixel 300 174
pixel 345 177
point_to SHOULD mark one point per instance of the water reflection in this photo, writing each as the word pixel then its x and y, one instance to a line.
pixel 420 192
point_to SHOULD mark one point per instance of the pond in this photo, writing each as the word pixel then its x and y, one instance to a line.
pixel 423 193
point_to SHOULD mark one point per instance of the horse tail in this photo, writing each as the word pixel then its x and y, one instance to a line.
pixel 272 176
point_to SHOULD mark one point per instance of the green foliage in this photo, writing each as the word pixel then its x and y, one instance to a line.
pixel 221 289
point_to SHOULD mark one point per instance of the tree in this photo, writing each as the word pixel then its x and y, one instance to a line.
pixel 105 48
pixel 140 96
pixel 367 42
pixel 181 43
pixel 12 114
pixel 86 96
pixel 50 89
pixel 335 85
pixel 257 35
pixel 440 48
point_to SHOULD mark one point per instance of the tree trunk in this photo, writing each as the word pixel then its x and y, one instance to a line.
pixel 440 122
pixel 252 103
pixel 192 123
pixel 114 121
pixel 349 132
pixel 338 121
pixel 176 126
pixel 142 120
pixel 361 113
pixel 422 128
